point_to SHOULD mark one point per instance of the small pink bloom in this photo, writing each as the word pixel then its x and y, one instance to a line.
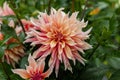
pixel 34 71
pixel 13 55
pixel 7 10
pixel 60 36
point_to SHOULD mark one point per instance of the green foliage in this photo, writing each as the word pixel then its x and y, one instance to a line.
pixel 8 31
pixel 6 73
pixel 115 75
pixel 114 62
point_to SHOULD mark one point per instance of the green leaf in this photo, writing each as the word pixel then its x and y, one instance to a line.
pixel 5 71
pixel 2 49
pixel 23 61
pixel 94 73
pixel 114 62
pixel 3 76
pixel 12 45
pixel 115 75
pixel 6 38
pixel 21 37
pixel 9 31
pixel 15 77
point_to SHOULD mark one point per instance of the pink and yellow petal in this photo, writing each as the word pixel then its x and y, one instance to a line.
pixel 23 73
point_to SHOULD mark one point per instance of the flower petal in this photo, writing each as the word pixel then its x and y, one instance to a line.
pixel 66 62
pixel 41 65
pixel 31 61
pixel 53 43
pixel 57 67
pixel 47 73
pixel 68 52
pixel 23 73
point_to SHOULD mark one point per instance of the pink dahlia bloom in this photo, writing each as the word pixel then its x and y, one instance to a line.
pixel 13 55
pixel 34 71
pixel 6 10
pixel 60 36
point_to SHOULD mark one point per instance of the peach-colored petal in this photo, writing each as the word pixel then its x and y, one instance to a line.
pixel 60 49
pixel 40 51
pixel 48 72
pixel 70 42
pixel 66 63
pixel 53 43
pixel 7 9
pixel 41 64
pixel 23 73
pixel 30 70
pixel 79 58
pixel 57 67
pixel 31 61
pixel 68 52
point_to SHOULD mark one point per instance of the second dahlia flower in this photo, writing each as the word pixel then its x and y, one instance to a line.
pixel 60 36
pixel 34 71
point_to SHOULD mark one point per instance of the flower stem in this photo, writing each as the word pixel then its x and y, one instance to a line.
pixel 84 10
pixel 21 24
pixel 49 5
pixel 73 5
pixel 92 53
pixel 17 16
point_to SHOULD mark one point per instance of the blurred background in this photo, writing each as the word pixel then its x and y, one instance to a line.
pixel 103 60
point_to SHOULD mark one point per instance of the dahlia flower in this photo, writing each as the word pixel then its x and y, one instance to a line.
pixel 13 55
pixel 34 71
pixel 6 10
pixel 60 36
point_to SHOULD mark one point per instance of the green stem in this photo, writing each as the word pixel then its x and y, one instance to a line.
pixel 92 53
pixel 49 5
pixel 5 70
pixel 17 17
pixel 21 24
pixel 84 10
pixel 73 5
